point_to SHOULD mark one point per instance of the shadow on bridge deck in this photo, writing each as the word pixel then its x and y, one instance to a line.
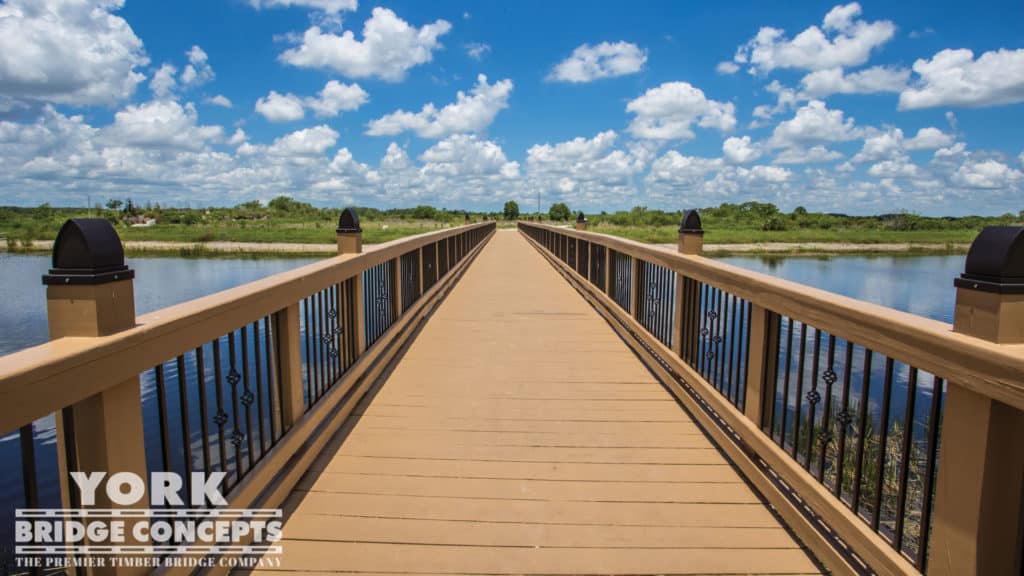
pixel 519 434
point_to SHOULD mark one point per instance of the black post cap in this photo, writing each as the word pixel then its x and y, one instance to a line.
pixel 349 221
pixel 691 223
pixel 995 262
pixel 87 251
pixel 580 218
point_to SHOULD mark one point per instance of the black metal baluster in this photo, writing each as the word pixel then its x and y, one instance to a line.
pixel 186 433
pixel 29 481
pixel 318 320
pixel 908 438
pixel 813 397
pixel 720 323
pixel 843 419
pixel 825 436
pixel 161 408
pixel 883 431
pixel 798 412
pixel 748 312
pixel 705 330
pixel 309 353
pixel 934 423
pixel 259 385
pixel 233 379
pixel 785 383
pixel 67 416
pixel 862 422
pixel 203 413
pixel 733 336
pixel 221 418
pixel 273 385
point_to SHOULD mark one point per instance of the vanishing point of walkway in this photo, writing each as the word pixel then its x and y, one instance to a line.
pixel 519 434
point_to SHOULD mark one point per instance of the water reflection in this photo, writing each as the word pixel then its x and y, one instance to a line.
pixel 921 285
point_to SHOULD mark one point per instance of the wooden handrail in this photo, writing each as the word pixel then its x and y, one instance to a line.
pixel 42 379
pixel 993 370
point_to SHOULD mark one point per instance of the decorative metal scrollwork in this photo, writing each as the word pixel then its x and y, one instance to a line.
pixel 829 376
pixel 221 418
pixel 234 377
pixel 247 397
pixel 813 397
pixel 237 437
pixel 824 437
pixel 844 418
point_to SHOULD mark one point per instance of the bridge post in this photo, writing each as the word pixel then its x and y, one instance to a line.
pixel 977 526
pixel 581 221
pixel 90 293
pixel 289 354
pixel 689 228
pixel 691 234
pixel 350 241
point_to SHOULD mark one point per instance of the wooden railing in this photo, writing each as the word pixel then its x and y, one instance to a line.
pixel 251 381
pixel 883 438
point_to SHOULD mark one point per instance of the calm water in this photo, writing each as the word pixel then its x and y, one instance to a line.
pixel 920 284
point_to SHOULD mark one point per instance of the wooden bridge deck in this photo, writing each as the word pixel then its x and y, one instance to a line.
pixel 519 434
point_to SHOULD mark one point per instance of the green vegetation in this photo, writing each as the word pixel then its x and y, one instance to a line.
pixel 281 220
pixel 511 210
pixel 284 219
pixel 559 212
pixel 754 222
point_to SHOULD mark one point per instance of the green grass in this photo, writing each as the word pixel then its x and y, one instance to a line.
pixel 670 235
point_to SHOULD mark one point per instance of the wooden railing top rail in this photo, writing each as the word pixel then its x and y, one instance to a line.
pixel 39 380
pixel 994 370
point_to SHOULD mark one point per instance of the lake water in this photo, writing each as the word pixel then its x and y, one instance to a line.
pixel 919 284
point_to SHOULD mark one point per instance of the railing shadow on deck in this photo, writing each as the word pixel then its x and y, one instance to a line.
pixel 884 439
pixel 251 381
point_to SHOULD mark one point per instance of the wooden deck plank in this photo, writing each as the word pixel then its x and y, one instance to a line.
pixel 307 555
pixel 457 533
pixel 729 492
pixel 520 435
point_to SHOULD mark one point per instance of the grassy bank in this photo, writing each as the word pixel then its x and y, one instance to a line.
pixel 670 234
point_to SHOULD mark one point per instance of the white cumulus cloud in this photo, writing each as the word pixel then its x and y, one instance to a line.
pixel 280 107
pixel 389 48
pixel 198 70
pixel 740 150
pixel 872 80
pixel 220 100
pixel 337 97
pixel 842 41
pixel 328 6
pixel 161 123
pixel 469 113
pixel 814 123
pixel 605 60
pixel 955 78
pixel 669 111
pixel 75 52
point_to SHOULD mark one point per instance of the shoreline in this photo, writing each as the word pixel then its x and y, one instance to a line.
pixel 293 249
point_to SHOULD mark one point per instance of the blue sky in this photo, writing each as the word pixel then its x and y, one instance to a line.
pixel 859 108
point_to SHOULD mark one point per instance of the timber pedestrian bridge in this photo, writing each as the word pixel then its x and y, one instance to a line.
pixel 542 400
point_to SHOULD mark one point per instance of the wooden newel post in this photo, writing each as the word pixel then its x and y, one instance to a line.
pixel 691 234
pixel 581 221
pixel 350 235
pixel 350 241
pixel 977 525
pixel 90 293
